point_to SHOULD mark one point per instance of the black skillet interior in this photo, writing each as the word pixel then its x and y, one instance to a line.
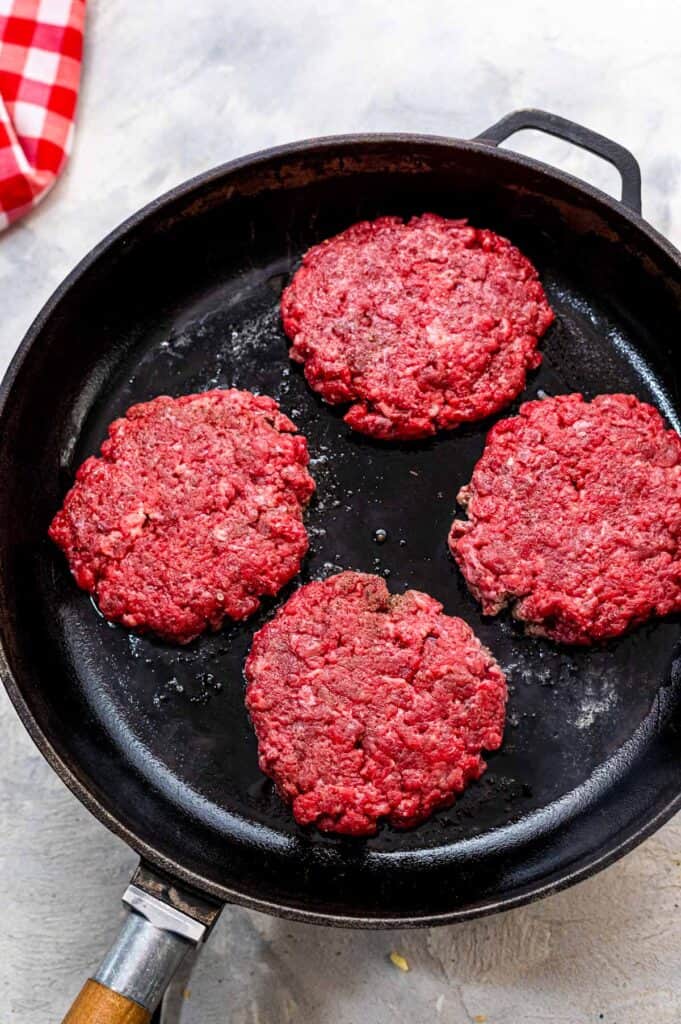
pixel 187 300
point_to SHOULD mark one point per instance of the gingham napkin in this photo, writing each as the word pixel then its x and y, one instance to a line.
pixel 41 43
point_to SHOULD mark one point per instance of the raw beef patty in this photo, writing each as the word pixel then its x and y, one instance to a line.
pixel 574 515
pixel 192 511
pixel 420 326
pixel 369 705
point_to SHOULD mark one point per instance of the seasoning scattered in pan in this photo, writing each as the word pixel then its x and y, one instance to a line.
pixel 574 514
pixel 421 326
pixel 369 705
pixel 191 513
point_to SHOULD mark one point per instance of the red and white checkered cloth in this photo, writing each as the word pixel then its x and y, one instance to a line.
pixel 41 44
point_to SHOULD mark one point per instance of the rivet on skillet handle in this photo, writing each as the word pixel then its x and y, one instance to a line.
pixel 163 924
pixel 624 161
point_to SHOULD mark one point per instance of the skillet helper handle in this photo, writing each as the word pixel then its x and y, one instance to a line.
pixel 624 161
pixel 131 980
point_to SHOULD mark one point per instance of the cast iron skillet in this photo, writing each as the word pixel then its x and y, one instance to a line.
pixel 154 739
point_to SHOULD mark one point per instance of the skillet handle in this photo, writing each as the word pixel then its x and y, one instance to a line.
pixel 96 1004
pixel 624 161
pixel 131 980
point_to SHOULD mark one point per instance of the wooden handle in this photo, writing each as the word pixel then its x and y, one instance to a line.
pixel 97 1004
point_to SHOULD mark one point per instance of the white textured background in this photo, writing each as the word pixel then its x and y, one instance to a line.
pixel 169 90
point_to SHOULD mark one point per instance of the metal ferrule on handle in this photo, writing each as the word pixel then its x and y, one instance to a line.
pixel 150 947
pixel 131 980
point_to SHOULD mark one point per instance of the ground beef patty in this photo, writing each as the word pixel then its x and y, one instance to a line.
pixel 421 326
pixel 368 705
pixel 574 513
pixel 190 514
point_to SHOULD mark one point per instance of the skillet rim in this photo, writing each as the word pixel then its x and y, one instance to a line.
pixel 69 774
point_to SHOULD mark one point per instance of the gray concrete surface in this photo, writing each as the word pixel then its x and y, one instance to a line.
pixel 169 90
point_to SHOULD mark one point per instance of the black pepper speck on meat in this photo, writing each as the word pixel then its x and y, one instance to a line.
pixel 369 705
pixel 190 514
pixel 574 517
pixel 419 326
